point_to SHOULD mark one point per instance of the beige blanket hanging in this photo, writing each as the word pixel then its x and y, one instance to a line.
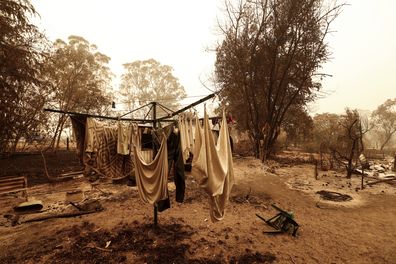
pixel 152 177
pixel 212 166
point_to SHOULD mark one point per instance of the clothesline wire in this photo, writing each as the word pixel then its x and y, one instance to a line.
pixel 163 107
pixel 134 110
pixel 173 98
pixel 163 118
pixel 166 109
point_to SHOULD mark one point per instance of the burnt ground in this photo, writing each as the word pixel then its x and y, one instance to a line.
pixel 360 230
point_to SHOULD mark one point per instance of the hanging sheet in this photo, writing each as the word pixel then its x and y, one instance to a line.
pixel 152 177
pixel 186 133
pixel 212 166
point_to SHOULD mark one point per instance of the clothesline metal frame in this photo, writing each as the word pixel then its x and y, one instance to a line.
pixel 142 120
pixel 154 121
pixel 134 110
pixel 98 116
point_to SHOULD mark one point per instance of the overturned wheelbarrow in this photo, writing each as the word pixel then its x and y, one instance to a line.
pixel 283 222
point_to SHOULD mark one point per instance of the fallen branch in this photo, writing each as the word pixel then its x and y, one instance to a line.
pixel 385 180
pixel 78 207
pixel 71 173
pixel 64 215
pixel 96 247
pixel 94 186
pixel 95 170
pixel 51 179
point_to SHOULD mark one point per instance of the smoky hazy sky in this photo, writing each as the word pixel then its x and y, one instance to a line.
pixel 182 34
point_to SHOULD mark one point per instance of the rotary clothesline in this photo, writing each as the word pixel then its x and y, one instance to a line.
pixel 212 163
pixel 154 120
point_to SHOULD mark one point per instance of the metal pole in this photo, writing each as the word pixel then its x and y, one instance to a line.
pixel 187 107
pixel 154 107
pixel 98 116
pixel 155 215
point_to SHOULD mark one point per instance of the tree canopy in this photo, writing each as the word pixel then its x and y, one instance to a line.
pixel 148 80
pixel 22 90
pixel 385 119
pixel 269 61
pixel 80 79
pixel 298 125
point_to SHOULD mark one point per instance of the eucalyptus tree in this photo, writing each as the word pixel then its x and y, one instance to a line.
pixel 149 80
pixel 385 119
pixel 23 92
pixel 269 60
pixel 80 79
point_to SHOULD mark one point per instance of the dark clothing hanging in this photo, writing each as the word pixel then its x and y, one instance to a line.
pixel 78 125
pixel 174 156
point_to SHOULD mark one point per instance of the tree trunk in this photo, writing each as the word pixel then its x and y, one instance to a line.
pixel 269 142
pixel 15 144
pixel 350 160
pixel 267 150
pixel 349 169
pixel 385 142
pixel 60 132
pixel 257 148
pixel 52 144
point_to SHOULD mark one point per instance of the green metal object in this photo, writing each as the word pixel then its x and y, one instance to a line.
pixel 283 222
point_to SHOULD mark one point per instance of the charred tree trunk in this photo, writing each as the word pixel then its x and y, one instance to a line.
pixel 60 132
pixel 52 143
pixel 350 160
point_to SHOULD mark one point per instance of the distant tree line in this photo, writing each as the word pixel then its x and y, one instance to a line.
pixel 344 137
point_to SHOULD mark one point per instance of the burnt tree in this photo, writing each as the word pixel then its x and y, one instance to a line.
pixel 269 61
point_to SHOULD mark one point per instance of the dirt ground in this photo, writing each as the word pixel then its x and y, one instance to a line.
pixel 361 230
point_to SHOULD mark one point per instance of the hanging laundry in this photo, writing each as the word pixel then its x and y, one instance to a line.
pixel 98 148
pixel 184 137
pixel 198 138
pixel 175 157
pixel 186 133
pixel 124 135
pixel 190 132
pixel 78 125
pixel 151 178
pixel 90 135
pixel 212 166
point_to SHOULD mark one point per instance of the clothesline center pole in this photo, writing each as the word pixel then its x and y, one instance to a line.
pixel 154 107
